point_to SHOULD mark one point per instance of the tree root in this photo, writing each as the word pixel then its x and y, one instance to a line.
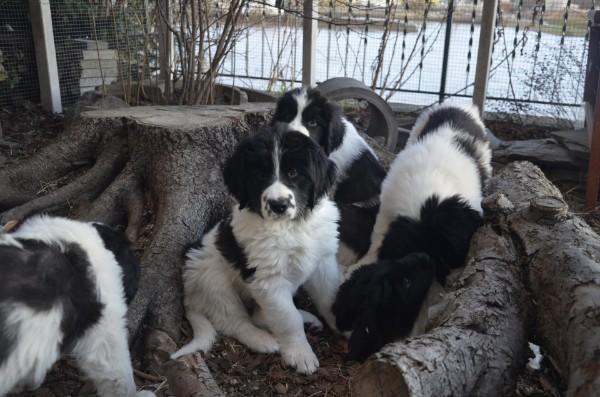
pixel 74 148
pixel 188 376
pixel 110 160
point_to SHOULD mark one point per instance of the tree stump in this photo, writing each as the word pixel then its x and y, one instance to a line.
pixel 160 162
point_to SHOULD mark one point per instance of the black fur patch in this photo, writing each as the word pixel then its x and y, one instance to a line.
pixel 7 340
pixel 443 231
pixel 356 226
pixel 362 181
pixel 229 247
pixel 40 276
pixel 459 118
pixel 120 246
pixel 380 302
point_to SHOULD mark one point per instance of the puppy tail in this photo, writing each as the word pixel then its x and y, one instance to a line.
pixel 204 335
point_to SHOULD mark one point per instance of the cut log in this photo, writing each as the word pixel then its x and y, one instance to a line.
pixel 478 347
pixel 476 344
pixel 562 254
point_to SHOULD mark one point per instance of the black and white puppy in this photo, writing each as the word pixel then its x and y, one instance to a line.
pixel 359 172
pixel 65 287
pixel 381 302
pixel 241 279
pixel 430 203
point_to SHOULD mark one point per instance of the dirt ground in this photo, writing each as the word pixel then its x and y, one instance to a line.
pixel 238 371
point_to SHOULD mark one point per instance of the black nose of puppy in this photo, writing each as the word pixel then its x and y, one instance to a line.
pixel 279 206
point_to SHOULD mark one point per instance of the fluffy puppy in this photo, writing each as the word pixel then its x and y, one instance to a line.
pixel 65 287
pixel 430 203
pixel 241 279
pixel 381 302
pixel 359 172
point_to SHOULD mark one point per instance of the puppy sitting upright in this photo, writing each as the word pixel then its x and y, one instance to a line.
pixel 241 279
pixel 359 173
pixel 65 287
pixel 430 204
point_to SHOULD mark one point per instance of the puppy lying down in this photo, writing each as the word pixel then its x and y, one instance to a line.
pixel 430 208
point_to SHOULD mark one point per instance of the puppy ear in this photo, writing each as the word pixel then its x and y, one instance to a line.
pixel 233 174
pixel 324 174
pixel 336 130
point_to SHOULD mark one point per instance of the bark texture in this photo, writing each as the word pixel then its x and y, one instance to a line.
pixel 562 255
pixel 531 258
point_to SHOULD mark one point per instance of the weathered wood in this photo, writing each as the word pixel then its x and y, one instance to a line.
pixel 564 272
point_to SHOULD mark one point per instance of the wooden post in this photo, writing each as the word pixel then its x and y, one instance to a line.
pixel 592 114
pixel 165 39
pixel 309 45
pixel 484 54
pixel 45 55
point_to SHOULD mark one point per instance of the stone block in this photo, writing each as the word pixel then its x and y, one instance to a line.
pixel 98 63
pixel 93 44
pixel 100 54
pixel 99 72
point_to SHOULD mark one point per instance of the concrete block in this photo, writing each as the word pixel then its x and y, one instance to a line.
pixel 100 54
pixel 93 44
pixel 106 72
pixel 94 81
pixel 99 64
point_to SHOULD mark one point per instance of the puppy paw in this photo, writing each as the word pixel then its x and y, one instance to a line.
pixel 311 321
pixel 259 340
pixel 305 361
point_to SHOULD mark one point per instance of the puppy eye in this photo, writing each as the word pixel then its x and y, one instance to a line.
pixel 406 283
pixel 293 173
pixel 312 123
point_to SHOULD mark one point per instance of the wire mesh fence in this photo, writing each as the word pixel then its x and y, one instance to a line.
pixel 421 52
pixel 412 52
pixel 109 44
pixel 18 71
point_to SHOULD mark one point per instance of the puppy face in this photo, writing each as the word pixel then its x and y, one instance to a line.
pixel 379 303
pixel 311 113
pixel 278 174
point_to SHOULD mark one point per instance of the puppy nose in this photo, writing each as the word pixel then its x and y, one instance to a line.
pixel 279 206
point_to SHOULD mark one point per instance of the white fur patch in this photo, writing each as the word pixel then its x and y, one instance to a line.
pixel 278 193
pixel 296 124
pixel 352 146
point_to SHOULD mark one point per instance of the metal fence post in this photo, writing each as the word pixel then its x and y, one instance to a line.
pixel 309 44
pixel 45 55
pixel 484 54
pixel 446 50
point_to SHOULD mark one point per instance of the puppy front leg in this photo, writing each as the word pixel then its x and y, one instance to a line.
pixel 322 287
pixel 285 322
